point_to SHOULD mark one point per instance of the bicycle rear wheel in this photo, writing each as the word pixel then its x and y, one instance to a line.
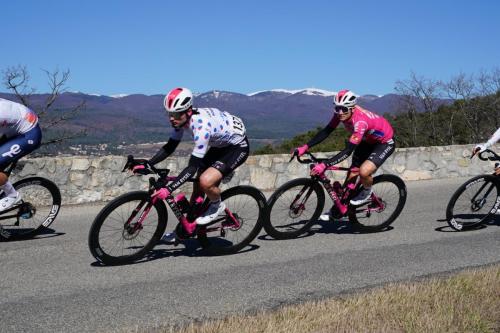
pixel 247 206
pixel 293 208
pixel 116 237
pixel 387 202
pixel 474 202
pixel 38 208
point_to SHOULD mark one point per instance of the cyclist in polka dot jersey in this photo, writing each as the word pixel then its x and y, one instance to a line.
pixel 220 147
pixel 212 128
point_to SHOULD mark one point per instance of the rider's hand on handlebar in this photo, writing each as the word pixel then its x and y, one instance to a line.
pixel 300 150
pixel 318 169
pixel 160 190
pixel 161 193
pixel 478 150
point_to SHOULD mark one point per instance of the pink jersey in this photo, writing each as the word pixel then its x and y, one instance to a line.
pixel 365 125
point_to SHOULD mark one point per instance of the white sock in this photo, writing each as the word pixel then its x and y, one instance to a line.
pixel 216 202
pixel 8 189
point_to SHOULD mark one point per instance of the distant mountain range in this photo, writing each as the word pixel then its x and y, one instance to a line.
pixel 273 114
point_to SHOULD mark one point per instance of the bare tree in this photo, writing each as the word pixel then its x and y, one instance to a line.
pixel 418 93
pixel 408 104
pixel 489 87
pixel 16 79
pixel 461 89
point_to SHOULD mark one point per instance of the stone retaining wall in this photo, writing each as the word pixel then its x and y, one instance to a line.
pixel 93 179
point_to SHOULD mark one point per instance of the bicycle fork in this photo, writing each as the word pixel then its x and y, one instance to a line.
pixel 477 204
pixel 130 227
pixel 295 208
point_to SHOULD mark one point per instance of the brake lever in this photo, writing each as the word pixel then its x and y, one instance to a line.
pixel 130 160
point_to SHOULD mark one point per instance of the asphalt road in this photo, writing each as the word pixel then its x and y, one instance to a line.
pixel 52 283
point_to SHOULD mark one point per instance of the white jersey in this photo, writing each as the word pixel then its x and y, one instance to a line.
pixel 494 139
pixel 15 119
pixel 211 127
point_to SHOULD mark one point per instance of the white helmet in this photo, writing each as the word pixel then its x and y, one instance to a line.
pixel 178 100
pixel 345 98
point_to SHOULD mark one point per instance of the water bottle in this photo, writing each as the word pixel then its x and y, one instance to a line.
pixel 337 187
pixel 182 202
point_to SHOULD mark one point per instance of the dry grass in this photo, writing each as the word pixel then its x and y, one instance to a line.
pixel 466 302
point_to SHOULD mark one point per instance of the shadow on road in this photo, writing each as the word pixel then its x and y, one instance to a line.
pixel 15 237
pixel 494 221
pixel 188 248
pixel 330 227
pixel 341 227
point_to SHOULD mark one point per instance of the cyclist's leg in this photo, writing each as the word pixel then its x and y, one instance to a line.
pixel 11 151
pixel 229 158
pixel 380 153
pixel 361 153
pixel 224 163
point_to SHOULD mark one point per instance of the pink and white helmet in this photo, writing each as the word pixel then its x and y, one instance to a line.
pixel 345 98
pixel 178 100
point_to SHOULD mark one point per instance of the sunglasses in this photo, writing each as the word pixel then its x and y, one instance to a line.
pixel 341 109
pixel 176 115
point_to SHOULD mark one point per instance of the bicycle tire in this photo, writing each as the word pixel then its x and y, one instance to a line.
pixel 139 200
pixel 39 207
pixel 358 215
pixel 220 242
pixel 456 217
pixel 290 230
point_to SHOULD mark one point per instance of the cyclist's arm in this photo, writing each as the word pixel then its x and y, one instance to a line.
pixel 189 172
pixel 494 139
pixel 201 140
pixel 344 154
pixel 360 128
pixel 169 147
pixel 324 133
pixel 164 151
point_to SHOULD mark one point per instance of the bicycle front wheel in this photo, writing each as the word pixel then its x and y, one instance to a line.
pixel 473 203
pixel 293 208
pixel 38 208
pixel 238 225
pixel 385 205
pixel 127 228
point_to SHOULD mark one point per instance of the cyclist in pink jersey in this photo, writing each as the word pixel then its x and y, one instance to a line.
pixel 371 141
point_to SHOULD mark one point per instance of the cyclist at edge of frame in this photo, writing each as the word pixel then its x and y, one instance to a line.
pixel 482 147
pixel 20 134
pixel 371 141
pixel 220 146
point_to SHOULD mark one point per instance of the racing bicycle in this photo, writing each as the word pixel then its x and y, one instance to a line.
pixel 477 200
pixel 295 206
pixel 128 227
pixel 38 208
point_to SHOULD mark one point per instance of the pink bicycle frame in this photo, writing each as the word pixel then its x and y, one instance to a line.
pixel 189 226
pixel 350 187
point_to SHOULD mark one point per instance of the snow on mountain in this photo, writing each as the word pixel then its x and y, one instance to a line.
pixel 119 95
pixel 306 91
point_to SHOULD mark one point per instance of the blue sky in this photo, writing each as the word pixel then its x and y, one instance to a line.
pixel 149 47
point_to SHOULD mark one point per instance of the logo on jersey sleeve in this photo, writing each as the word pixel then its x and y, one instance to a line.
pixel 30 117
